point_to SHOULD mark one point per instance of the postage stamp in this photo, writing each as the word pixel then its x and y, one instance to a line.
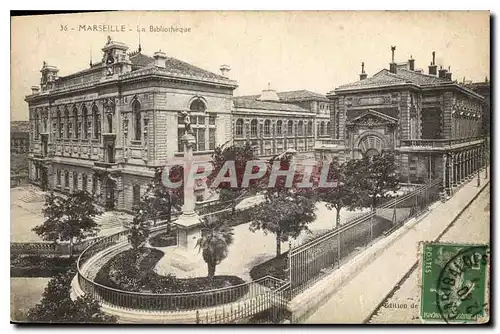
pixel 454 283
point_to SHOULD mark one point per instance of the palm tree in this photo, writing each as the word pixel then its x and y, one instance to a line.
pixel 216 236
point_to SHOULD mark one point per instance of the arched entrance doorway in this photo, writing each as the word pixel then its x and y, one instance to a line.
pixel 371 145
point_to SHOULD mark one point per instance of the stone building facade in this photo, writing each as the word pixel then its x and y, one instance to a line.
pixel 274 122
pixel 106 128
pixel 431 123
pixel 19 137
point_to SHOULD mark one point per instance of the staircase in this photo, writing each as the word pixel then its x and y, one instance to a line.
pixel 112 219
pixel 32 196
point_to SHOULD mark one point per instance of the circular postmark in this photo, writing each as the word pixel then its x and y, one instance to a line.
pixel 460 289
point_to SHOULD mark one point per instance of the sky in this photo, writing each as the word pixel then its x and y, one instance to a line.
pixel 313 50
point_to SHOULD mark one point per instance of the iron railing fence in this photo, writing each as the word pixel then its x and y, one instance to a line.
pixel 314 259
pixel 269 305
pixel 171 302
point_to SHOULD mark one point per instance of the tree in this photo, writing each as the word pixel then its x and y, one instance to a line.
pixel 216 236
pixel 346 191
pixel 158 201
pixel 138 232
pixel 68 218
pixel 240 155
pixel 377 177
pixel 285 211
pixel 57 306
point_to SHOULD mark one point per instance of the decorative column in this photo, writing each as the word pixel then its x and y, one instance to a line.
pixel 443 192
pixel 462 167
pixel 478 150
pixel 452 171
pixel 469 164
pixel 188 224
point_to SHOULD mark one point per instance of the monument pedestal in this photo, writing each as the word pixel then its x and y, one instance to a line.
pixel 186 255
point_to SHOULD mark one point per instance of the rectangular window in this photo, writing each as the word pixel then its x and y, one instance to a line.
pixel 58 180
pixel 180 133
pixel 75 181
pixel 211 120
pixel 201 120
pixel 211 139
pixel 84 182
pixel 94 185
pixel 201 139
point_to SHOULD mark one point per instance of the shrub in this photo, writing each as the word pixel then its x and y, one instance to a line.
pixel 276 267
pixel 164 239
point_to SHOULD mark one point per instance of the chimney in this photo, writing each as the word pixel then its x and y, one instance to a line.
pixel 160 59
pixel 269 94
pixel 433 66
pixel 447 75
pixel 442 72
pixel 393 67
pixel 35 90
pixel 224 70
pixel 363 75
pixel 411 63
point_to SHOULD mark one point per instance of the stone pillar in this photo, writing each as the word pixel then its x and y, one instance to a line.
pixel 188 222
pixel 452 171
pixel 443 191
pixel 462 167
pixel 469 165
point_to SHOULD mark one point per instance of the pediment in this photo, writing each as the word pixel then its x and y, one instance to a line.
pixel 372 117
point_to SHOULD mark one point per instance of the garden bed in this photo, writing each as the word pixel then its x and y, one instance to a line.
pixel 133 271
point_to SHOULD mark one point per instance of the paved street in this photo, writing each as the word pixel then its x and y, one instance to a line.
pixel 473 226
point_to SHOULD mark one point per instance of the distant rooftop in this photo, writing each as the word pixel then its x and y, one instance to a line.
pixel 251 102
pixel 385 77
pixel 293 96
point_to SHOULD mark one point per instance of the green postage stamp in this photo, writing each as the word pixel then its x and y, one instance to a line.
pixel 454 283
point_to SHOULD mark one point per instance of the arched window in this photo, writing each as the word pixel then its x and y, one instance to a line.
pixel 328 128
pixel 290 128
pixel 301 128
pixel 203 126
pixel 309 128
pixel 67 123
pixel 96 122
pixel 136 195
pixel 267 128
pixel 253 128
pixel 239 128
pixel 279 128
pixel 197 106
pixel 85 122
pixel 136 110
pixel 75 123
pixel 322 129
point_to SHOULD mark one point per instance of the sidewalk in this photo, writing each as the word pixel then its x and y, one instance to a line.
pixel 357 299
